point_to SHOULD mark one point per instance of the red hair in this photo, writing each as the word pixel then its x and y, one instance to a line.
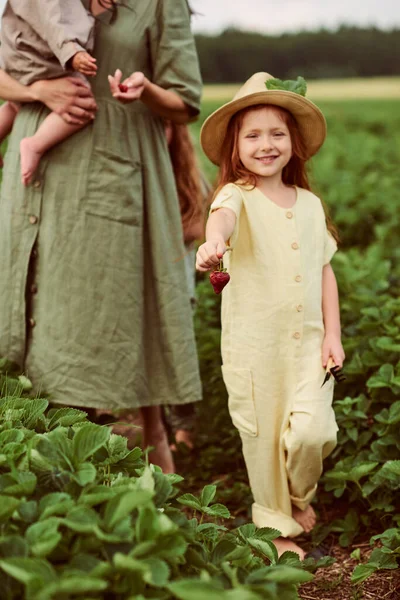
pixel 294 173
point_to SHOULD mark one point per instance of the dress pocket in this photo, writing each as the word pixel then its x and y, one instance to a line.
pixel 114 188
pixel 241 406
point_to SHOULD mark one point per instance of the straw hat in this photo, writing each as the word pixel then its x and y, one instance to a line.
pixel 310 119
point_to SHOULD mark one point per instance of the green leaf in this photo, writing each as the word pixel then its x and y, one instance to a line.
pixel 265 548
pixel 287 574
pixel 81 519
pixel 158 572
pixel 268 534
pixel 195 589
pixel 217 510
pixel 13 546
pixel 87 440
pixel 362 572
pixel 86 473
pixel 7 507
pixel 27 570
pixel 33 410
pixel 73 584
pixel 123 505
pixel 389 473
pixel 361 470
pixel 208 495
pixel 43 537
pixel 65 417
pixel 190 500
pixel 298 86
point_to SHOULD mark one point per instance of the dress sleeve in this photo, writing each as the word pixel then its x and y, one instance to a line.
pixel 65 25
pixel 330 247
pixel 229 197
pixel 173 53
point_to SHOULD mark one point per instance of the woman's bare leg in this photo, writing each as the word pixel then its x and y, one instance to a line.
pixel 154 434
pixel 51 132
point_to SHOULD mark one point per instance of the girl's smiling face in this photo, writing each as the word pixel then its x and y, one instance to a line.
pixel 264 142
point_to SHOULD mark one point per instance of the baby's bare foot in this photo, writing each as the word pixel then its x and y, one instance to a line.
pixel 306 518
pixel 284 545
pixel 30 158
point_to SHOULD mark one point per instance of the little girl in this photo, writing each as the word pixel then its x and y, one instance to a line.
pixel 43 39
pixel 280 310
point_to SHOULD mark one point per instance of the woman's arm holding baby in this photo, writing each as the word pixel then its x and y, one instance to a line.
pixel 69 97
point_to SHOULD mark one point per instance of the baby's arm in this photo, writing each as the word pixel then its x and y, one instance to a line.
pixel 220 226
pixel 332 345
pixel 84 63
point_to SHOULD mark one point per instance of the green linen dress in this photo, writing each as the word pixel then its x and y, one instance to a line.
pixel 93 300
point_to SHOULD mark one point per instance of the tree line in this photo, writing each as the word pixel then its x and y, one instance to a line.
pixel 234 55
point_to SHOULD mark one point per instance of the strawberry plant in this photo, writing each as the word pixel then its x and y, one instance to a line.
pixel 82 516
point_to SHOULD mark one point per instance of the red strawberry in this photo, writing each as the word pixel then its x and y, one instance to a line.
pixel 219 278
pixel 123 88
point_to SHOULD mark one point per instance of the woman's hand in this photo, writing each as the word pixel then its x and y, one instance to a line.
pixel 69 97
pixel 209 254
pixel 332 347
pixel 133 86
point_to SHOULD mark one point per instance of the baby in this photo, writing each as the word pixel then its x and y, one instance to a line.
pixel 44 39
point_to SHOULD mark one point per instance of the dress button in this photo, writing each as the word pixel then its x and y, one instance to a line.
pixel 296 335
pixel 299 307
pixel 33 219
pixel 34 288
pixel 37 184
pixel 289 215
pixel 298 278
pixel 295 246
pixel 32 322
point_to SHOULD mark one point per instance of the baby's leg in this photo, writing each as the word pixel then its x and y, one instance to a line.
pixel 52 131
pixel 8 112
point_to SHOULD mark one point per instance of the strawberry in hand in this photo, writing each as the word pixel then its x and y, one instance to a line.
pixel 219 278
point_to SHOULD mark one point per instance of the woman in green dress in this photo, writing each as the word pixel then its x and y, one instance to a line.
pixel 93 301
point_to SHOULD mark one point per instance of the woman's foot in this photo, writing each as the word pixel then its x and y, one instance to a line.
pixel 306 518
pixel 30 159
pixel 183 436
pixel 286 545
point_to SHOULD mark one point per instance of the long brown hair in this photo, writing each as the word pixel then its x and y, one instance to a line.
pixel 192 196
pixel 294 173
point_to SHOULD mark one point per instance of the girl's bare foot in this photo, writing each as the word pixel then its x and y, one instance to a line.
pixel 284 545
pixel 30 159
pixel 306 518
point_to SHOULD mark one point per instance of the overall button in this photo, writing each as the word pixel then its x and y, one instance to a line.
pixel 296 335
pixel 289 214
pixel 298 278
pixel 32 322
pixel 34 288
pixel 295 246
pixel 299 307
pixel 37 184
pixel 33 219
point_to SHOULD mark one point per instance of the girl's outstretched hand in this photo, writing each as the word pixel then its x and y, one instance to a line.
pixel 209 254
pixel 332 347
pixel 129 89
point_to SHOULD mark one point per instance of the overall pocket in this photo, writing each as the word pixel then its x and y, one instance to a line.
pixel 114 188
pixel 241 406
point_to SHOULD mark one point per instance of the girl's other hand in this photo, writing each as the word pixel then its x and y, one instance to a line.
pixel 84 63
pixel 209 254
pixel 134 85
pixel 69 97
pixel 332 347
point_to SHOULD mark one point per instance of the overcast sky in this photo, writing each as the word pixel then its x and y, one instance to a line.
pixel 276 16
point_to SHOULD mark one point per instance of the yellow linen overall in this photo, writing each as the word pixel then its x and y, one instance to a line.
pixel 272 333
